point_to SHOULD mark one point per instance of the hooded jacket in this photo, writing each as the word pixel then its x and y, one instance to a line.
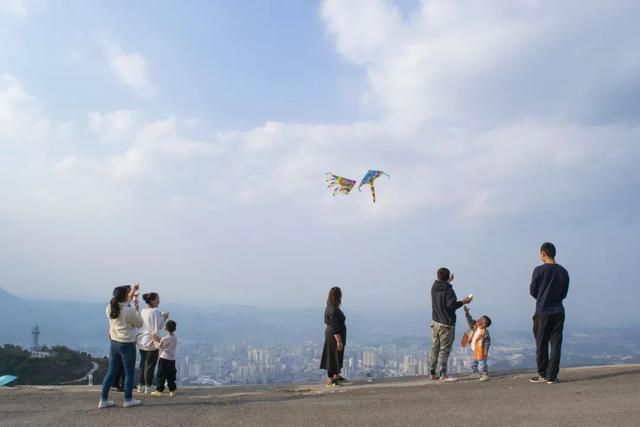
pixel 444 303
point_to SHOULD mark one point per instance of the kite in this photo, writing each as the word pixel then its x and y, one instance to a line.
pixel 339 184
pixel 368 179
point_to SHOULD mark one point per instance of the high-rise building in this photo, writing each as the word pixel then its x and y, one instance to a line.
pixel 369 359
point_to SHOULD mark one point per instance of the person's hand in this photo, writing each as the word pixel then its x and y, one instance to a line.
pixel 165 315
pixel 466 300
pixel 451 277
pixel 340 346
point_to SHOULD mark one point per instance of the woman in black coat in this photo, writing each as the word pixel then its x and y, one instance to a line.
pixel 335 337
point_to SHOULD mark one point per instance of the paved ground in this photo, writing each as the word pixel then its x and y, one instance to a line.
pixel 603 396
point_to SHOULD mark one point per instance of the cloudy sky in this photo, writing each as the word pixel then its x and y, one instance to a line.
pixel 184 145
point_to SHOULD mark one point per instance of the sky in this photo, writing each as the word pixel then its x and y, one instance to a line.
pixel 184 145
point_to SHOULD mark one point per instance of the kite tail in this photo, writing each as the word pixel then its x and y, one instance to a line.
pixel 373 192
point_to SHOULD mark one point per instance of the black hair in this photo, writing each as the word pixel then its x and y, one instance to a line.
pixel 335 296
pixel 171 326
pixel 443 274
pixel 548 249
pixel 151 296
pixel 488 319
pixel 119 295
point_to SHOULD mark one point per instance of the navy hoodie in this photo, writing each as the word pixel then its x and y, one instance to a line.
pixel 549 286
pixel 444 303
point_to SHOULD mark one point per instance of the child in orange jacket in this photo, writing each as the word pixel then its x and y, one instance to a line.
pixel 479 338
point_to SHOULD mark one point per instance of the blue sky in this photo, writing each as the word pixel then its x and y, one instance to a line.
pixel 184 145
pixel 233 63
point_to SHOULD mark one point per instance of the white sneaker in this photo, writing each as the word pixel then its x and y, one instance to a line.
pixel 130 403
pixel 484 378
pixel 140 388
pixel 147 390
pixel 105 403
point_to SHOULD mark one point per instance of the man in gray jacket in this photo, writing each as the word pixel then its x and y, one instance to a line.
pixel 444 304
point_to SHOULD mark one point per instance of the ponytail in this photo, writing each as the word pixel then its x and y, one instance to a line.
pixel 151 296
pixel 119 295
pixel 114 308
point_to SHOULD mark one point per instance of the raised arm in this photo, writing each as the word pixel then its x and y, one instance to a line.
pixel 470 319
pixel 451 301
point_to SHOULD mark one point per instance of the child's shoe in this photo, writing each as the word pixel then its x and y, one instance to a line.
pixel 156 393
pixel 172 394
pixel 484 377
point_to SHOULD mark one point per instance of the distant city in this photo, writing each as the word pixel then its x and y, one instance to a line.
pixel 218 364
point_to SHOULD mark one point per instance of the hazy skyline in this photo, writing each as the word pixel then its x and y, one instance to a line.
pixel 184 146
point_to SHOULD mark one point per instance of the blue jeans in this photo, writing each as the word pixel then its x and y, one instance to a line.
pixel 484 366
pixel 121 353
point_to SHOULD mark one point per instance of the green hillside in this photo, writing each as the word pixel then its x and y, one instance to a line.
pixel 63 365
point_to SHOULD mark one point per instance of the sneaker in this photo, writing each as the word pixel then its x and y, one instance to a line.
pixel 475 375
pixel 484 378
pixel 130 403
pixel 434 377
pixel 147 390
pixel 538 379
pixel 105 404
pixel 445 379
pixel 156 393
pixel 553 381
pixel 140 388
pixel 172 394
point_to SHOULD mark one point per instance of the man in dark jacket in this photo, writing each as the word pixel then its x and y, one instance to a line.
pixel 444 304
pixel 549 286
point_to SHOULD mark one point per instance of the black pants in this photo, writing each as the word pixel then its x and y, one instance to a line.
pixel 148 361
pixel 547 329
pixel 166 371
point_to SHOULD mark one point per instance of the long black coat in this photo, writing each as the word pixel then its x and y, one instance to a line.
pixel 332 359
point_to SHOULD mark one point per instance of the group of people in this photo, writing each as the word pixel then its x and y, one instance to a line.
pixel 549 286
pixel 130 327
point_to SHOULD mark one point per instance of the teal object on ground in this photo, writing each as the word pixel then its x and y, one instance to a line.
pixel 6 379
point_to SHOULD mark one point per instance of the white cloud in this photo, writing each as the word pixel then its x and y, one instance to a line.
pixel 130 68
pixel 480 63
pixel 14 7
pixel 114 126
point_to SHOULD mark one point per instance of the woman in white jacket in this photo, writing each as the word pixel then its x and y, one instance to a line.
pixel 153 323
pixel 123 321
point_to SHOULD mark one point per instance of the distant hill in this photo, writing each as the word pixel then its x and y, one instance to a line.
pixel 85 325
pixel 62 366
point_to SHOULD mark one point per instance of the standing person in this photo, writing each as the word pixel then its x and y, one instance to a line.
pixel 479 338
pixel 123 321
pixel 118 376
pixel 153 322
pixel 444 304
pixel 549 286
pixel 335 338
pixel 167 364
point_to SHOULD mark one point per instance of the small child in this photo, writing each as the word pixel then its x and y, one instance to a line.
pixel 480 339
pixel 167 362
